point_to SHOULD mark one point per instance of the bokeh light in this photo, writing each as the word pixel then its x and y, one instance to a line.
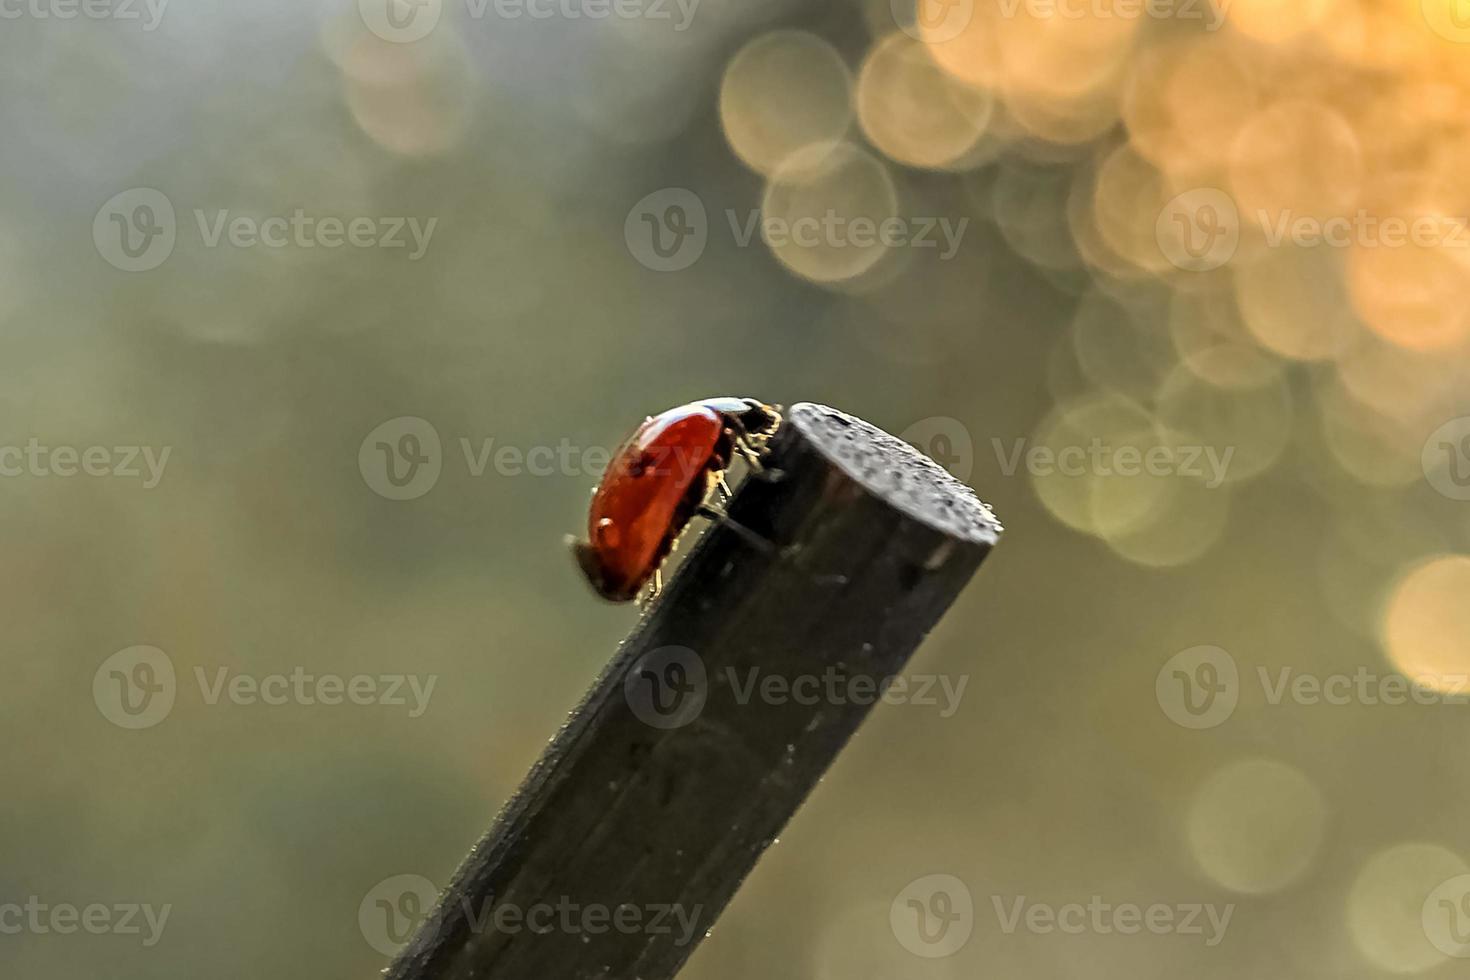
pixel 1426 628
pixel 913 111
pixel 825 210
pixel 411 99
pixel 1385 906
pixel 1256 825
pixel 782 91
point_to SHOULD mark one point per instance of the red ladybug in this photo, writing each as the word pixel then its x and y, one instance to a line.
pixel 660 479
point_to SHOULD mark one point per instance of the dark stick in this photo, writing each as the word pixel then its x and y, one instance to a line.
pixel 672 777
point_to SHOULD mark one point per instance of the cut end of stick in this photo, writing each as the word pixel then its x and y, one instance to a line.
pixel 894 471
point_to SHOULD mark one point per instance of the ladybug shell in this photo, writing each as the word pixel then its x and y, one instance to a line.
pixel 650 491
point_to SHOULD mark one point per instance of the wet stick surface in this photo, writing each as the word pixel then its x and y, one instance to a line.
pixel 685 760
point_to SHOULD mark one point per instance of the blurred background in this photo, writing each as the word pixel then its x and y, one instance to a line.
pixel 320 322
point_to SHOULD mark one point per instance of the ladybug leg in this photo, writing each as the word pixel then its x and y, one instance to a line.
pixel 751 455
pixel 724 487
pixel 719 516
pixel 655 586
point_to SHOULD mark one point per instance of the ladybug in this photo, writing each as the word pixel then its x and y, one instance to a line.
pixel 657 481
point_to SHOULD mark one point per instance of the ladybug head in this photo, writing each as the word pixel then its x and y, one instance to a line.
pixel 591 564
pixel 758 418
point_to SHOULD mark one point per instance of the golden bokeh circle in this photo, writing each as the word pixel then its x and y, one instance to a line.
pixel 1293 302
pixel 1087 464
pixel 1295 159
pixel 1239 432
pixel 913 111
pixel 1385 905
pixel 1426 626
pixel 826 209
pixel 411 99
pixel 782 91
pixel 1256 825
